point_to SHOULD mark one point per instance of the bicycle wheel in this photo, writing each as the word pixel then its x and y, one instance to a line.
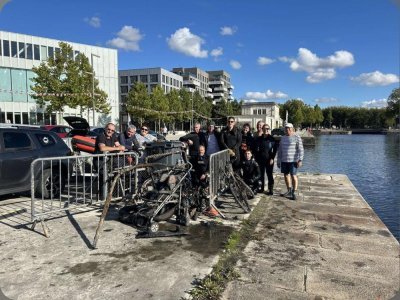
pixel 239 196
pixel 244 186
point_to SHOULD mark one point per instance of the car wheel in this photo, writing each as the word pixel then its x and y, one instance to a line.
pixel 50 184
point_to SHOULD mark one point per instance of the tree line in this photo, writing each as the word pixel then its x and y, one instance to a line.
pixel 304 115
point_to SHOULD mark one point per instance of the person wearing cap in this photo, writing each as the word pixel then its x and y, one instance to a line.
pixel 290 157
pixel 213 139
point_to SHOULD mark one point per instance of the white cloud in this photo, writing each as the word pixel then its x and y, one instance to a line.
pixel 326 100
pixel 226 30
pixel 187 43
pixel 217 52
pixel 376 79
pixel 319 69
pixel 93 21
pixel 128 39
pixel 380 103
pixel 266 95
pixel 262 61
pixel 235 64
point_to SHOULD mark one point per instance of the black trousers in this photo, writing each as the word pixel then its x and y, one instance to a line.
pixel 265 167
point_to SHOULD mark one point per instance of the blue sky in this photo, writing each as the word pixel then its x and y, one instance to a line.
pixel 334 53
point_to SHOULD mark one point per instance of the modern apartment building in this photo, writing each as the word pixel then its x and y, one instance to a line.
pixel 151 77
pixel 195 79
pixel 220 84
pixel 268 112
pixel 20 52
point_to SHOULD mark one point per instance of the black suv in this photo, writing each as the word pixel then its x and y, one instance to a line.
pixel 19 146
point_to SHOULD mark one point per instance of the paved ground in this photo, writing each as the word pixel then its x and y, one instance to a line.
pixel 327 245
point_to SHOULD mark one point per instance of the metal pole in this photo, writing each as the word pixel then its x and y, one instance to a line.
pixel 93 102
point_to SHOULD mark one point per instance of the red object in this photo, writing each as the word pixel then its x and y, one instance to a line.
pixel 84 143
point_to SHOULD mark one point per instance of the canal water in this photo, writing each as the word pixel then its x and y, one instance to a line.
pixel 372 162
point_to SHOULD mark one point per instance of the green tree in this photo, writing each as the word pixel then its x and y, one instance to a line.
pixel 137 103
pixel 175 104
pixel 319 117
pixel 63 81
pixel 159 104
pixel 393 108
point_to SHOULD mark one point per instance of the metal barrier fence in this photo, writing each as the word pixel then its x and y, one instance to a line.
pixel 59 183
pixel 218 162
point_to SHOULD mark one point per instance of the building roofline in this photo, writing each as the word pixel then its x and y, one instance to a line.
pixel 59 40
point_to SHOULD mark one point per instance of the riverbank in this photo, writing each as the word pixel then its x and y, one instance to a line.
pixel 328 243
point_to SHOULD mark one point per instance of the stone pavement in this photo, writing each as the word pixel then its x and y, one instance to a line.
pixel 329 244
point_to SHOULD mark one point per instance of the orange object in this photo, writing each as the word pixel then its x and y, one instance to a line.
pixel 211 212
pixel 83 143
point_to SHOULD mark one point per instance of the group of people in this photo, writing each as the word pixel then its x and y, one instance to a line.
pixel 251 154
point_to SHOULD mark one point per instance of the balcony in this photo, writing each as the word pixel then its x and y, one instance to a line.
pixel 209 90
pixel 220 89
pixel 231 87
pixel 216 82
pixel 209 95
pixel 191 83
pixel 218 94
pixel 191 90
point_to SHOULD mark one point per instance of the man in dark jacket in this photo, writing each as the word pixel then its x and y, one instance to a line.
pixel 129 140
pixel 265 150
pixel 231 139
pixel 201 167
pixel 194 139
pixel 250 171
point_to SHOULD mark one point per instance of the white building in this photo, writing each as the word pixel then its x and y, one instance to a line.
pixel 268 112
pixel 20 52
pixel 150 77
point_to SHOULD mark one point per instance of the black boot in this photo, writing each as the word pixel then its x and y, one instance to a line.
pixel 288 193
pixel 270 189
pixel 293 196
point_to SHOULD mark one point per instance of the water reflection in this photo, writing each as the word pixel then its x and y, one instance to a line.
pixel 372 162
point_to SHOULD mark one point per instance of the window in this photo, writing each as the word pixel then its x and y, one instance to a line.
pixel 25 118
pixel 45 139
pixel 14 49
pixel 0 48
pixel 16 140
pixel 43 52
pixel 163 78
pixel 29 51
pixel 259 111
pixel 6 48
pixel 264 111
pixel 153 77
pixel 143 78
pixel 254 111
pixel 76 53
pixel 124 89
pixel 124 79
pixel 21 50
pixel 50 51
pixel 134 78
pixel 36 52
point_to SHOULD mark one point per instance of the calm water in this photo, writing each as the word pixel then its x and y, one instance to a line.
pixel 372 162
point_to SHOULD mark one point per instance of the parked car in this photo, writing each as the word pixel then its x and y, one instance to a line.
pixel 19 147
pixel 61 130
pixel 159 136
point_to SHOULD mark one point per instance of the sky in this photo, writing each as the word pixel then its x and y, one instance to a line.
pixel 330 53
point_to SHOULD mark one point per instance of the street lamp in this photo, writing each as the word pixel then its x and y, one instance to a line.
pixel 93 104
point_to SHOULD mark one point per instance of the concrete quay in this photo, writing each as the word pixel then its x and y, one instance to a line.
pixel 328 244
